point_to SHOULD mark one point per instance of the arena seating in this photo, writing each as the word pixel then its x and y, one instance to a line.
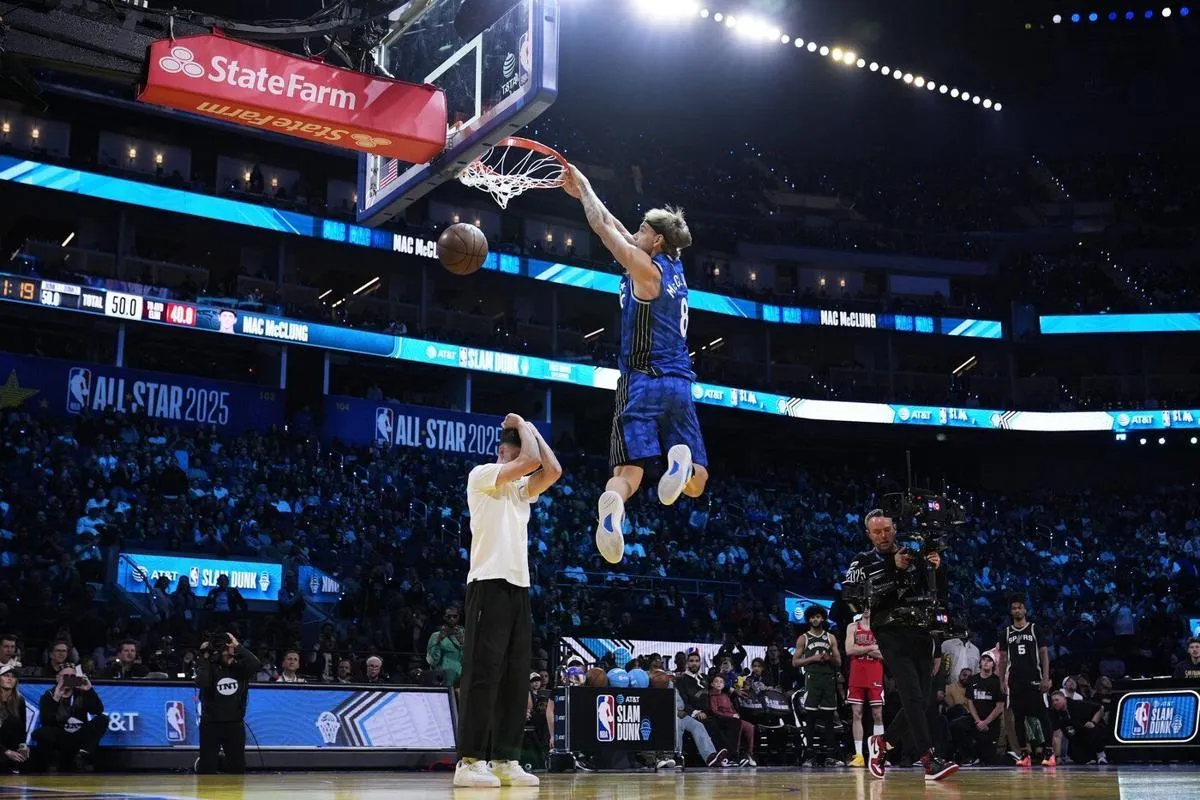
pixel 391 527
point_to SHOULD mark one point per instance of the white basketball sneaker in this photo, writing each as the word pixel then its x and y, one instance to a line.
pixel 511 773
pixel 610 529
pixel 679 472
pixel 476 775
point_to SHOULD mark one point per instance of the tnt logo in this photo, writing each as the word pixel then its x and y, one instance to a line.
pixel 176 719
pixel 368 141
pixel 181 60
pixel 385 425
pixel 606 718
pixel 1141 719
pixel 227 686
pixel 79 389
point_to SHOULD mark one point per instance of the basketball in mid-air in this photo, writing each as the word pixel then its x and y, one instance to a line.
pixel 462 248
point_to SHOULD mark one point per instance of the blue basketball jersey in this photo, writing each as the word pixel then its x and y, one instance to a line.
pixel 654 332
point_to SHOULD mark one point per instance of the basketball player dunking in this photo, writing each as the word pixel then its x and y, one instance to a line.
pixel 866 681
pixel 654 392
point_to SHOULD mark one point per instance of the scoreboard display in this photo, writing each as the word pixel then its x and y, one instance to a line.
pixel 106 302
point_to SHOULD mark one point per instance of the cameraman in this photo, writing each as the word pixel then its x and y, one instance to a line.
pixel 223 674
pixel 907 649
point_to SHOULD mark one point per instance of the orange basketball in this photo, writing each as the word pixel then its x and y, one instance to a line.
pixel 462 248
pixel 660 679
pixel 596 677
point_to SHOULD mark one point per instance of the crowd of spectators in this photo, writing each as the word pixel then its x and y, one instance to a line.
pixel 1112 576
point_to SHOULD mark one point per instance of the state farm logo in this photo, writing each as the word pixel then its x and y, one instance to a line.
pixel 292 85
pixel 181 60
pixel 368 141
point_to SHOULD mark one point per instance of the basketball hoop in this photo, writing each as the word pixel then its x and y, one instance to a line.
pixel 513 166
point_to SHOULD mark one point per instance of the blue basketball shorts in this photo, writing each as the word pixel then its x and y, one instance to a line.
pixel 653 415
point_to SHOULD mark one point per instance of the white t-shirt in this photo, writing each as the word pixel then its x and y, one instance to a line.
pixel 962 656
pixel 499 527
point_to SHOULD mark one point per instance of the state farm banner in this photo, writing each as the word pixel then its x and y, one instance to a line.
pixel 261 88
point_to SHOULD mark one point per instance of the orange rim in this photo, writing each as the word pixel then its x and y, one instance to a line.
pixel 537 147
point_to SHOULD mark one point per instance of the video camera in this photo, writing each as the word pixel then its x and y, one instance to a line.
pixel 216 644
pixel 924 521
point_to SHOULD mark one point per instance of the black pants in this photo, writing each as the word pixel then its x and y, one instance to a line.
pixel 57 748
pixel 971 743
pixel 1086 744
pixel 1028 701
pixel 495 678
pixel 218 736
pixel 908 659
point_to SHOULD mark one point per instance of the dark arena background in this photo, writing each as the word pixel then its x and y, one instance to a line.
pixel 944 252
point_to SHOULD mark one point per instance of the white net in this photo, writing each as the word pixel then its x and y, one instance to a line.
pixel 507 170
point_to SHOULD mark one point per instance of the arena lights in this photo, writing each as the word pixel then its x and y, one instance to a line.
pixel 756 29
pixel 1112 16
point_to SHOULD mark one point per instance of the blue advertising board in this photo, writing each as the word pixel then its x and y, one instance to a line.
pixel 318 586
pixel 367 422
pixel 1074 324
pixel 255 580
pixel 1169 716
pixel 259 327
pixel 64 388
pixel 167 714
pixel 795 607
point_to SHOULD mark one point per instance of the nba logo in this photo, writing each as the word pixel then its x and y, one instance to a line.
pixel 1141 719
pixel 606 718
pixel 385 423
pixel 176 722
pixel 79 389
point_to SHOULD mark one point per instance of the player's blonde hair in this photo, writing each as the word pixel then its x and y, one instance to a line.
pixel 670 224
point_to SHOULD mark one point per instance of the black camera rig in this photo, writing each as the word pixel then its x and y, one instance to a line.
pixel 924 521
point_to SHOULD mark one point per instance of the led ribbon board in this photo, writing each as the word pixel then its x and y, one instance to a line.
pixel 264 327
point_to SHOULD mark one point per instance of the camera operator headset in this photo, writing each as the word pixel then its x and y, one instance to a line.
pixel 883 579
pixel 223 674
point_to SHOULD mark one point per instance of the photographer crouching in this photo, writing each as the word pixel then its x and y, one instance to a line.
pixel 904 588
pixel 73 723
pixel 223 674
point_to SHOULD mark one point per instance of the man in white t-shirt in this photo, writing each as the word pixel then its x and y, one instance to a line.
pixel 499 622
pixel 962 653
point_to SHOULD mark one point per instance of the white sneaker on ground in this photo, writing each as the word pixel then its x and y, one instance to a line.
pixel 610 527
pixel 665 763
pixel 511 773
pixel 678 473
pixel 476 775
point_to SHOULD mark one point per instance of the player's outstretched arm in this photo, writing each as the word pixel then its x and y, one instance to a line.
pixel 613 234
pixel 551 470
pixel 577 185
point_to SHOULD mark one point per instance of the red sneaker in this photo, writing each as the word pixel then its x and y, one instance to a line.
pixel 876 753
pixel 1050 761
pixel 936 769
pixel 1024 762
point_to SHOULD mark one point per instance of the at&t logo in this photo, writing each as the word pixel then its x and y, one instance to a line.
pixel 181 60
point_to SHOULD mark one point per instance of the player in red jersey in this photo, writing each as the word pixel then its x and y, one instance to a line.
pixel 866 680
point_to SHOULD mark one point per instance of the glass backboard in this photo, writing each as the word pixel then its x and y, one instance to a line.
pixel 495 84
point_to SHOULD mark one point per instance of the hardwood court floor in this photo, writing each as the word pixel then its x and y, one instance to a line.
pixel 1085 783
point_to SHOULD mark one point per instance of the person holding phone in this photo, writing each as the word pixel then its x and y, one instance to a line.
pixel 13 750
pixel 73 722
